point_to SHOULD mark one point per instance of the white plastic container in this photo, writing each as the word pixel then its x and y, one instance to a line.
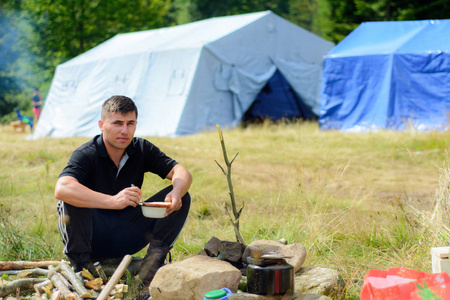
pixel 154 209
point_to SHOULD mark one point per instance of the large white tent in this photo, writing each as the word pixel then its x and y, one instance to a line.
pixel 186 78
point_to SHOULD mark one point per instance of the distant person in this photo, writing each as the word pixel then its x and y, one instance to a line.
pixel 37 103
pixel 100 188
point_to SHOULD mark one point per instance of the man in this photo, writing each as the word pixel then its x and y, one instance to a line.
pixel 100 188
pixel 37 103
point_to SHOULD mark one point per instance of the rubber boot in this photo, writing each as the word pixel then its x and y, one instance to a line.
pixel 80 261
pixel 153 260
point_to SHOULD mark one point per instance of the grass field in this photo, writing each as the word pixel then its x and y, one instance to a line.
pixel 355 201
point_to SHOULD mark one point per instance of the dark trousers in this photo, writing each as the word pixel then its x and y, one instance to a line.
pixel 108 233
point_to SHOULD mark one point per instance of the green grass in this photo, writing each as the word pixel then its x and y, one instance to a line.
pixel 355 201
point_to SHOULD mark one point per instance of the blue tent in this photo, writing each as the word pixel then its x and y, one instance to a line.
pixel 392 75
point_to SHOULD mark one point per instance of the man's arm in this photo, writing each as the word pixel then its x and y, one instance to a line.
pixel 181 181
pixel 69 190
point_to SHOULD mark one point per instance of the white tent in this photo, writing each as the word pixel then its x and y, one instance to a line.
pixel 186 78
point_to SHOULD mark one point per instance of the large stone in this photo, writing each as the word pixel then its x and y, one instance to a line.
pixel 315 280
pixel 297 252
pixel 191 278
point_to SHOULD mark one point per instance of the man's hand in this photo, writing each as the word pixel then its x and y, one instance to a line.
pixel 69 190
pixel 127 197
pixel 181 181
pixel 174 198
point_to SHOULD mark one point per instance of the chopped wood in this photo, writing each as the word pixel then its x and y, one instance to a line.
pixel 86 274
pixel 56 296
pixel 121 288
pixel 43 287
pixel 60 284
pixel 115 277
pixel 23 284
pixel 77 284
pixel 94 284
pixel 22 265
pixel 48 290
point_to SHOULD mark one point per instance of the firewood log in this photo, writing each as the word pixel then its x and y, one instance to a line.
pixel 21 265
pixel 24 284
pixel 61 286
pixel 77 284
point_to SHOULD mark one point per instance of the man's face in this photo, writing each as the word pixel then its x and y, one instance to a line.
pixel 118 130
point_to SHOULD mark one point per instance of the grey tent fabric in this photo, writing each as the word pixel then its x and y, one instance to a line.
pixel 187 78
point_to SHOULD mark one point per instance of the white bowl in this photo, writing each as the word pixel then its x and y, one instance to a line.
pixel 154 209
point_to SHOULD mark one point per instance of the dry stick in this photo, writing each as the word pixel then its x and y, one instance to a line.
pixel 58 282
pixel 32 272
pixel 77 284
pixel 21 265
pixel 23 284
pixel 38 287
pixel 227 173
pixel 115 277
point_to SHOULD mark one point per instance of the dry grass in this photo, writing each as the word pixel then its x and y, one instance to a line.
pixel 356 201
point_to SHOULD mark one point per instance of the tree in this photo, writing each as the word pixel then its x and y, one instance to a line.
pixel 203 9
pixel 68 28
pixel 37 35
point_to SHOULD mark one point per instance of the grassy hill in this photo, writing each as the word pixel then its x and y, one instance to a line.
pixel 355 201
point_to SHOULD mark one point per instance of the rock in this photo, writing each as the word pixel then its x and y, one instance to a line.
pixel 231 251
pixel 296 251
pixel 212 247
pixel 315 280
pixel 191 278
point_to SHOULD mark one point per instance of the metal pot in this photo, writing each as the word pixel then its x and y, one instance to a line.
pixel 270 277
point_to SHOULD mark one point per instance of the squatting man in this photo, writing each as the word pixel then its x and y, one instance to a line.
pixel 100 188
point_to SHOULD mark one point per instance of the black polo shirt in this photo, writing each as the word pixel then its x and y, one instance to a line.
pixel 93 168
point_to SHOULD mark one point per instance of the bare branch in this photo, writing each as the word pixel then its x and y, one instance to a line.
pixel 23 284
pixel 236 214
pixel 234 158
pixel 224 173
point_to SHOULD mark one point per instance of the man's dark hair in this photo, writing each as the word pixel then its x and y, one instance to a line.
pixel 121 104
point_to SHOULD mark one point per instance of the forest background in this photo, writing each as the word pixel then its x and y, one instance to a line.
pixel 37 35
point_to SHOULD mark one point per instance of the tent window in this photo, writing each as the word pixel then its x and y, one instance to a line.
pixel 177 82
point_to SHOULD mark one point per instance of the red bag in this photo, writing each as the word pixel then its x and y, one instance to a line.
pixel 405 284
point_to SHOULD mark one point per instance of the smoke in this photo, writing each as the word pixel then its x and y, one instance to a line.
pixel 17 45
pixel 17 62
pixel 8 37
